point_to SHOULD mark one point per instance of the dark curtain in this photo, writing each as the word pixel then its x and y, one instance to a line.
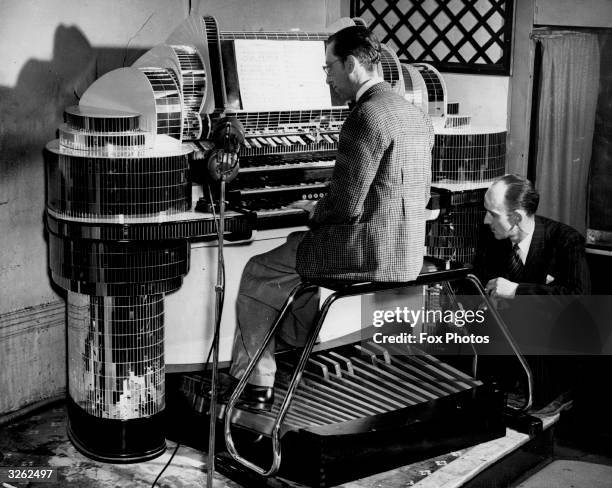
pixel 600 188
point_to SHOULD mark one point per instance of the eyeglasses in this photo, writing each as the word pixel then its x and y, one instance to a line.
pixel 327 67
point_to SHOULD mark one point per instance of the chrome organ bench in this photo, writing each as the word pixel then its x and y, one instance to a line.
pixel 362 405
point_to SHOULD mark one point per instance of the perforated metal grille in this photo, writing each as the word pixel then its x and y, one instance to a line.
pixel 391 69
pixel 453 35
pixel 281 36
pixel 167 100
pixel 193 83
pixel 90 187
pixel 416 90
pixel 454 236
pixel 436 89
pixel 475 156
pixel 103 143
pixel 117 123
pixel 116 355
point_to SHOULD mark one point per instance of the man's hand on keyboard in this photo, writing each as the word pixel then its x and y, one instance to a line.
pixel 306 205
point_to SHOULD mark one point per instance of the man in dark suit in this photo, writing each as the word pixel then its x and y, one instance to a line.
pixel 525 254
pixel 369 226
pixel 552 258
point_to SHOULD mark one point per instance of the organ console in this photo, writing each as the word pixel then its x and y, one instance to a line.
pixel 130 210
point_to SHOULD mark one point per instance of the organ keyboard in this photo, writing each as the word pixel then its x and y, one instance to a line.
pixel 291 132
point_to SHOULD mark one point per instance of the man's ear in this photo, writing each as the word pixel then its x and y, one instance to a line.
pixel 516 217
pixel 350 63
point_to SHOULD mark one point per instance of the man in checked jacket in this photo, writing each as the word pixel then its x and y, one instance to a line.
pixel 369 227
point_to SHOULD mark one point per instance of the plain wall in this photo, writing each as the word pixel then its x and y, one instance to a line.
pixel 576 13
pixel 484 97
pixel 50 51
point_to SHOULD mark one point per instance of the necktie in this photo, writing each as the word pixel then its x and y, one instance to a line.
pixel 515 266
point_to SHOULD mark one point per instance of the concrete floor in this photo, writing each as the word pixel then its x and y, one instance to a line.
pixel 568 473
pixel 40 440
pixel 582 454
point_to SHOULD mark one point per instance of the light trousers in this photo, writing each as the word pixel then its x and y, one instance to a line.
pixel 266 282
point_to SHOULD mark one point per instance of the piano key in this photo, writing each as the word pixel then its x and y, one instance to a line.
pixel 289 166
pixel 255 142
pixel 280 211
pixel 298 139
pixel 281 188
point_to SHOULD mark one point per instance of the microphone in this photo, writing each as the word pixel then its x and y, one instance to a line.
pixel 227 136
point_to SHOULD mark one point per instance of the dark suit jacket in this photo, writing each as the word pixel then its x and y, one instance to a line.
pixel 371 224
pixel 556 249
pixel 552 327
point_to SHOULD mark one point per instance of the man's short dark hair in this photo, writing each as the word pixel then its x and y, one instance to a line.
pixel 359 41
pixel 520 193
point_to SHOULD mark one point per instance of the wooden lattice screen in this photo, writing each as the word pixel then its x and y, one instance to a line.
pixel 465 36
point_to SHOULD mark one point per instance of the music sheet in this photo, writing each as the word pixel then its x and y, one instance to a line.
pixel 281 75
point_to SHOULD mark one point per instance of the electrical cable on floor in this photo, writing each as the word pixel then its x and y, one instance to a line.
pixel 167 464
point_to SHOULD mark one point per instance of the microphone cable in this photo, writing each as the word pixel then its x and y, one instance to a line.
pixel 167 464
pixel 222 294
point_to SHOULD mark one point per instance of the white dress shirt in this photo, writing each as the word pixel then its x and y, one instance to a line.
pixel 365 86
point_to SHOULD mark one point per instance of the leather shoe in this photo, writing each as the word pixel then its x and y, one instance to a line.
pixel 254 398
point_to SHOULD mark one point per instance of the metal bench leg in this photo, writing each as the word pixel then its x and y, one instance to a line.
pixel 295 379
pixel 299 288
pixel 502 326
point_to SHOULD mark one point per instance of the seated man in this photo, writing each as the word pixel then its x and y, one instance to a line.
pixel 526 254
pixel 370 226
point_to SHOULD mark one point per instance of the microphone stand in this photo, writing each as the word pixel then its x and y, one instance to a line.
pixel 227 162
pixel 210 465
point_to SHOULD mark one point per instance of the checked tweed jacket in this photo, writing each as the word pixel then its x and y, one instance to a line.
pixel 371 224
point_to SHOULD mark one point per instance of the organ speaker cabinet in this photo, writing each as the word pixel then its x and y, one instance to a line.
pixel 466 159
pixel 119 218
